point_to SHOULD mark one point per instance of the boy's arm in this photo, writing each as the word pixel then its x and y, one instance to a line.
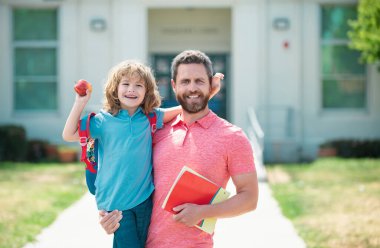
pixel 170 113
pixel 70 131
pixel 216 84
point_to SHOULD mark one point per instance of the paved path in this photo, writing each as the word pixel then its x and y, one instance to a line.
pixel 77 227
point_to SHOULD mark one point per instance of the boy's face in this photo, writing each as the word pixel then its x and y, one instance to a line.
pixel 192 87
pixel 131 92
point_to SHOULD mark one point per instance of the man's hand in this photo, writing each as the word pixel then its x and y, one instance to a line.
pixel 189 214
pixel 110 221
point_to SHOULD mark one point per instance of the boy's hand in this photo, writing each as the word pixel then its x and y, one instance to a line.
pixel 110 221
pixel 83 99
pixel 216 84
pixel 83 90
pixel 81 86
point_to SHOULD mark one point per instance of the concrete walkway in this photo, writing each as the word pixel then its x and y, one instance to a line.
pixel 77 227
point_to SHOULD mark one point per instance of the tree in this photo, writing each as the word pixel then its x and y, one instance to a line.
pixel 365 31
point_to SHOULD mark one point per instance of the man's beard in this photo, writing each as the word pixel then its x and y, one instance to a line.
pixel 194 107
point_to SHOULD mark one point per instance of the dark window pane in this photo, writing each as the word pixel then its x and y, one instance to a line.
pixel 334 21
pixel 339 59
pixel 35 61
pixel 35 95
pixel 34 24
pixel 164 87
pixel 344 93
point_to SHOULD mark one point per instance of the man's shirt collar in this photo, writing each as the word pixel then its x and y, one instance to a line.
pixel 205 122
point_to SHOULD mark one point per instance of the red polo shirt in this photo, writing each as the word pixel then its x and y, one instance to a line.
pixel 211 146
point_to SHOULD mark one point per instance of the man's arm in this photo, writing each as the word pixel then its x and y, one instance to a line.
pixel 244 201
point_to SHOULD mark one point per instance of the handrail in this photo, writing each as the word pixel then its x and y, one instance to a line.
pixel 255 123
pixel 256 136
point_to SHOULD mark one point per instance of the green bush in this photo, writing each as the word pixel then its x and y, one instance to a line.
pixel 13 143
pixel 353 148
pixel 37 150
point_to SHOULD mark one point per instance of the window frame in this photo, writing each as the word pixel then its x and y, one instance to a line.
pixel 322 77
pixel 34 44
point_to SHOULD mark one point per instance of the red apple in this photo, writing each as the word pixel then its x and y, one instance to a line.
pixel 81 86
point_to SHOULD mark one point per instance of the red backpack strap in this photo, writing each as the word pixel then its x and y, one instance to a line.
pixel 84 133
pixel 152 117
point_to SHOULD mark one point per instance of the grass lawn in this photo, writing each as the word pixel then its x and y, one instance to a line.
pixel 331 202
pixel 32 195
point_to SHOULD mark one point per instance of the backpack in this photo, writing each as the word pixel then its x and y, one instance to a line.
pixel 90 148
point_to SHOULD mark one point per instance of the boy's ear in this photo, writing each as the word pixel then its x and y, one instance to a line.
pixel 173 84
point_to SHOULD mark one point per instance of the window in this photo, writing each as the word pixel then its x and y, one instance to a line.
pixel 35 59
pixel 343 78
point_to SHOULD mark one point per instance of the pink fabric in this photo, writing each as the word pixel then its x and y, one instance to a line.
pixel 211 146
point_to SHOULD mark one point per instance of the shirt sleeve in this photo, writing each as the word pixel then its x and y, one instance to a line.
pixel 240 155
pixel 160 117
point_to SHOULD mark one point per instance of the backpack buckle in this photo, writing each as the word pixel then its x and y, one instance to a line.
pixel 83 141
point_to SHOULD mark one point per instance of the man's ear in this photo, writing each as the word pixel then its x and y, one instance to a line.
pixel 173 84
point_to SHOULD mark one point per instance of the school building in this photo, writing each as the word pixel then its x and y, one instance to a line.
pixel 287 61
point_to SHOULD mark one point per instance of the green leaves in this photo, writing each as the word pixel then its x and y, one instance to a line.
pixel 365 31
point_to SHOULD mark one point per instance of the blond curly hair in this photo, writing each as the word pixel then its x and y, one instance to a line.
pixel 130 68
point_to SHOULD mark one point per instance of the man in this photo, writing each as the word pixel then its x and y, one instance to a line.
pixel 204 142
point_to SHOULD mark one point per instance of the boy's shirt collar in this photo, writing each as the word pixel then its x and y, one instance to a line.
pixel 124 112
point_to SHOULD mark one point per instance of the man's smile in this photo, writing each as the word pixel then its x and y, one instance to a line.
pixel 193 96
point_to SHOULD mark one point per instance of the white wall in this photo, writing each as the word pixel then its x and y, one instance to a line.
pixel 280 110
pixel 5 67
pixel 246 59
pixel 174 30
pixel 84 52
pixel 130 25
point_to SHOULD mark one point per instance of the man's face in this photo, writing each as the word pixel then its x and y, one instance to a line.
pixel 192 87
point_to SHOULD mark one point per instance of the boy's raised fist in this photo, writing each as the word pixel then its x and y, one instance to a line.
pixel 81 86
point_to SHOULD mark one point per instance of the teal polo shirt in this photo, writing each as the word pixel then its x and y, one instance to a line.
pixel 124 177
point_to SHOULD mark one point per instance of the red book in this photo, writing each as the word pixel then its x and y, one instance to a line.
pixel 191 187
